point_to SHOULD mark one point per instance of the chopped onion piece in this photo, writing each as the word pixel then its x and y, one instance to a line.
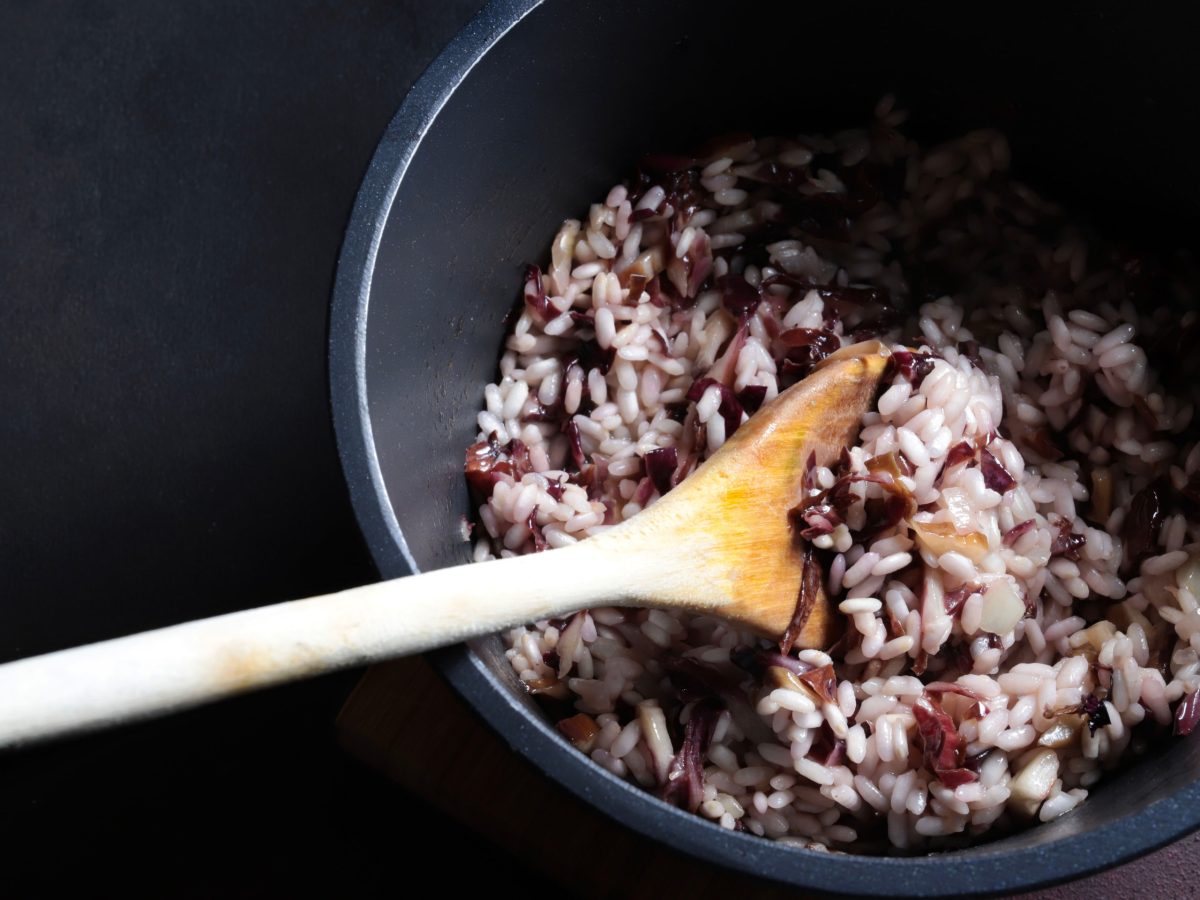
pixel 1003 607
pixel 942 537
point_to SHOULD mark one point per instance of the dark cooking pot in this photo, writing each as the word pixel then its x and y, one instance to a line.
pixel 535 110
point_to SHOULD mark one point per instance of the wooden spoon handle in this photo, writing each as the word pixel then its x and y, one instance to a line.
pixel 185 665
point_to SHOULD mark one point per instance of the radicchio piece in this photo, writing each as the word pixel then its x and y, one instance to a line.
pixel 970 349
pixel 535 530
pixel 884 513
pixel 535 295
pixel 820 519
pixel 995 476
pixel 730 410
pixel 724 368
pixel 943 747
pixel 485 463
pixel 663 294
pixel 751 397
pixel 694 679
pixel 1187 714
pixel 1066 543
pixel 1018 531
pixel 949 687
pixel 756 661
pixel 1141 527
pixel 800 349
pixel 823 682
pixel 959 453
pixel 1095 710
pixel 660 467
pixel 576 440
pixel 738 295
pixel 806 599
pixel 819 509
pixel 685 778
pixel 593 356
pixel 953 600
pixel 827 748
pixel 913 367
pixel 645 490
pixel 481 465
pixel 860 309
pixel 688 272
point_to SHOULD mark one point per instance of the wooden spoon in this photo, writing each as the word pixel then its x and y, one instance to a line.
pixel 719 543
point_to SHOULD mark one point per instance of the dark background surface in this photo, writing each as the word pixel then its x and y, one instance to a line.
pixel 174 183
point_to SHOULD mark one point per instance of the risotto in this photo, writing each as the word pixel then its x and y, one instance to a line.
pixel 1012 542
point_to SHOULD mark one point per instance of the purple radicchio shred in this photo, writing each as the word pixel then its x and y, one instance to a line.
pixel 1017 532
pixel 912 367
pixel 827 748
pixel 535 530
pixel 677 412
pixel 583 317
pixel 730 410
pixel 819 519
pixel 884 513
pixel 694 679
pixel 838 499
pixel 664 295
pixel 810 471
pixel 822 680
pixel 959 453
pixel 751 397
pixel 806 599
pixel 949 687
pixel 995 476
pixel 953 600
pixel 800 349
pixel 539 412
pixel 1140 531
pixel 975 762
pixel 661 463
pixel 486 463
pixel 1066 543
pixel 738 295
pixel 1187 714
pixel 724 369
pixel 1095 710
pixel 591 478
pixel 572 430
pixel 535 295
pixel 756 661
pixel 645 490
pixel 860 309
pixel 970 349
pixel 684 785
pixel 943 747
pixel 593 356
pixel 688 273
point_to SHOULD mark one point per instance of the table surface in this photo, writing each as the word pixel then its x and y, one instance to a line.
pixel 174 183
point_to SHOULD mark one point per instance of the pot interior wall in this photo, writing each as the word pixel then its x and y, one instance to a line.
pixel 1093 101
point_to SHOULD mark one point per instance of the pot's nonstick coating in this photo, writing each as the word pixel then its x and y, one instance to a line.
pixel 533 112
